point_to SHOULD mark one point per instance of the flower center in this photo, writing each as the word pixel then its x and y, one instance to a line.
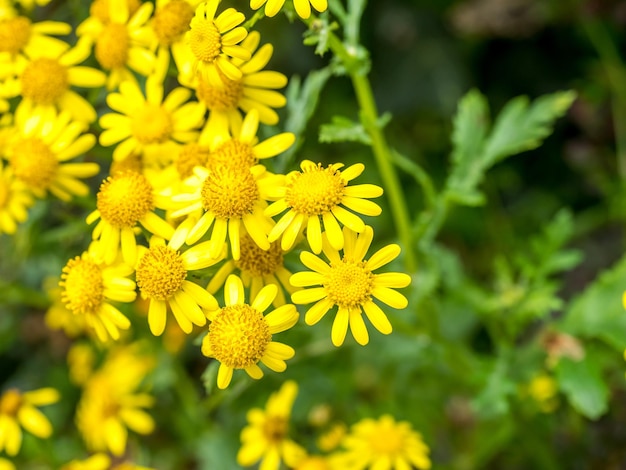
pixel 234 154
pixel 14 34
pixel 44 81
pixel 84 287
pixel 349 284
pixel 160 272
pixel 239 335
pixel 220 99
pixel 171 21
pixel 132 162
pixel 124 199
pixel 388 441
pixel 275 428
pixel 190 156
pixel 229 192
pixel 100 9
pixel 315 190
pixel 34 163
pixel 258 262
pixel 152 125
pixel 10 402
pixel 112 46
pixel 205 40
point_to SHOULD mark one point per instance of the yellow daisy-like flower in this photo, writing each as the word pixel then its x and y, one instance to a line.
pixel 111 402
pixel 383 444
pixel 257 268
pixel 88 286
pixel 19 410
pixel 240 335
pixel 6 464
pixel 125 200
pixel 150 125
pixel 303 7
pixel 161 275
pixel 15 200
pixel 19 35
pixel 349 283
pixel 101 462
pixel 44 80
pixel 58 316
pixel 543 389
pixel 317 192
pixel 39 152
pixel 313 462
pixel 123 42
pixel 212 42
pixel 256 89
pixel 266 438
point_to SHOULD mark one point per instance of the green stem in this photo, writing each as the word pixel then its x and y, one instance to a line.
pixel 382 153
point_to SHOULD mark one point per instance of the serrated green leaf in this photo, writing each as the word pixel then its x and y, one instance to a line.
pixel 582 383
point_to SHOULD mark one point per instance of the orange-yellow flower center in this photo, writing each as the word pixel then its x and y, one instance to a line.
pixel 14 34
pixel 112 46
pixel 205 40
pixel 275 428
pixel 132 162
pixel 171 21
pixel 83 286
pixel 124 199
pixel 315 190
pixel 234 154
pixel 229 192
pixel 44 81
pixel 190 156
pixel 100 9
pixel 238 336
pixel 387 440
pixel 160 273
pixel 152 125
pixel 34 163
pixel 220 99
pixel 257 262
pixel 349 283
pixel 10 402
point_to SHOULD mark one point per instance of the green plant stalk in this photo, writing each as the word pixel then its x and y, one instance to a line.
pixel 382 153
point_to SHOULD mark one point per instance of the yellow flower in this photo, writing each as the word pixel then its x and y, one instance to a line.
pixel 256 89
pixel 6 464
pixel 149 125
pixel 29 4
pixel 101 462
pixel 349 283
pixel 318 192
pixel 122 40
pixel 125 200
pixel 212 41
pixel 88 286
pixel 313 462
pixel 161 275
pixel 44 79
pixel 544 390
pixel 257 268
pixel 20 409
pixel 331 439
pixel 58 316
pixel 111 403
pixel 266 436
pixel 15 200
pixel 382 443
pixel 81 358
pixel 19 35
pixel 303 7
pixel 39 152
pixel 240 335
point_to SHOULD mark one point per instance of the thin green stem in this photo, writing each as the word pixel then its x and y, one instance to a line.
pixel 382 153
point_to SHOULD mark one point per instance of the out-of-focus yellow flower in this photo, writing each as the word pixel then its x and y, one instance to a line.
pixel 58 316
pixel 212 41
pixel 313 462
pixel 331 439
pixel 543 389
pixel 240 335
pixel 349 283
pixel 19 35
pixel 383 443
pixel 256 89
pixel 122 39
pixel 81 359
pixel 19 410
pixel 303 7
pixel 316 193
pixel 40 149
pixel 266 437
pixel 6 464
pixel 161 274
pixel 15 200
pixel 112 402
pixel 101 462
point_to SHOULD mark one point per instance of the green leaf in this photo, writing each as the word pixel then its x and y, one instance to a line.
pixel 319 32
pixel 582 383
pixel 598 312
pixel 493 399
pixel 342 129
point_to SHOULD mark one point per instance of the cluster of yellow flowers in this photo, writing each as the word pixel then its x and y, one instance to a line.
pixel 184 191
